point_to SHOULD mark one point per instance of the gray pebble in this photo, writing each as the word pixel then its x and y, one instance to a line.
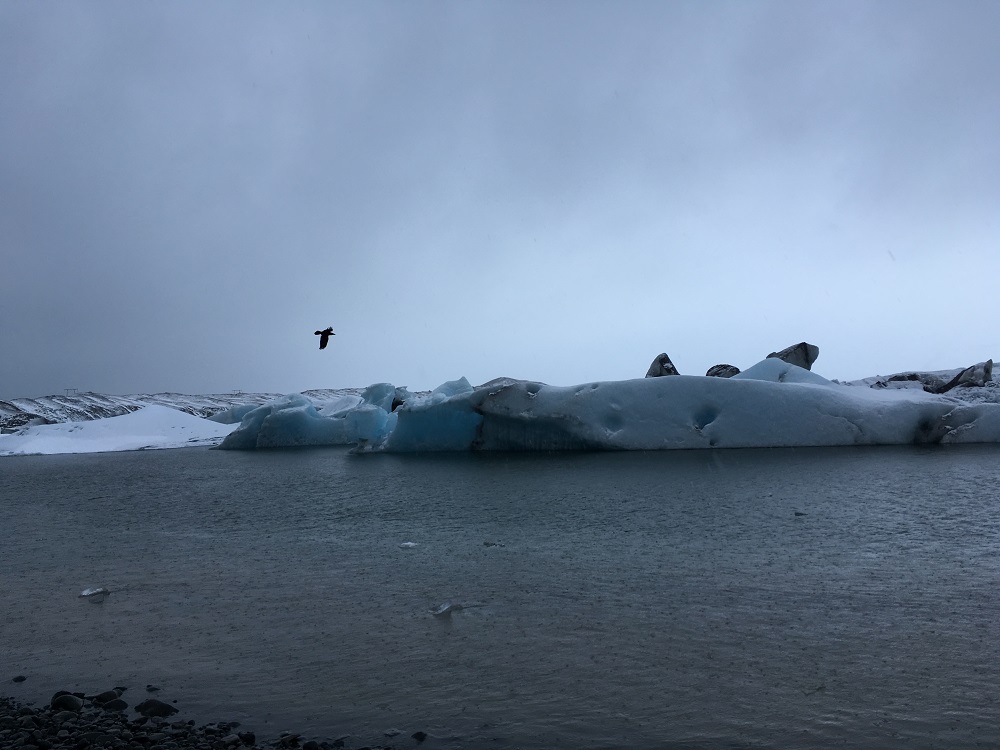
pixel 90 725
pixel 107 695
pixel 66 702
pixel 155 708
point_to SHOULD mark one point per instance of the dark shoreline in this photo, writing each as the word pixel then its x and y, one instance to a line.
pixel 73 720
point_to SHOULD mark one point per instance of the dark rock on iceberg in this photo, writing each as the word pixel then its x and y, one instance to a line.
pixel 802 355
pixel 978 375
pixel 661 366
pixel 722 371
pixel 972 376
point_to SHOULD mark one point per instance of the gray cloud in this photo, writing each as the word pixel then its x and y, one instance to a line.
pixel 552 190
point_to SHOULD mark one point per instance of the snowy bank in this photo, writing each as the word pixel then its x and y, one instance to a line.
pixel 150 427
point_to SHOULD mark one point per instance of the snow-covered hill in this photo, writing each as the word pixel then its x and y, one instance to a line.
pixel 82 407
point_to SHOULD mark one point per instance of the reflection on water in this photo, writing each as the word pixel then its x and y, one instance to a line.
pixel 690 599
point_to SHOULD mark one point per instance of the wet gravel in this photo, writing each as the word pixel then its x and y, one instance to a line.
pixel 106 721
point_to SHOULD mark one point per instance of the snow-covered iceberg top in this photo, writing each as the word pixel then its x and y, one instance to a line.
pixel 772 404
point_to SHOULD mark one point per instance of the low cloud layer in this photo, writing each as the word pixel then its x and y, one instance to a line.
pixel 552 191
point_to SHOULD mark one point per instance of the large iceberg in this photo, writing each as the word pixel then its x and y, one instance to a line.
pixel 772 404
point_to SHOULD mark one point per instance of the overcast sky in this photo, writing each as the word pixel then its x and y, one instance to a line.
pixel 556 191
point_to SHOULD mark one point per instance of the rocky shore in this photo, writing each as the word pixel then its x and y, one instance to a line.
pixel 101 721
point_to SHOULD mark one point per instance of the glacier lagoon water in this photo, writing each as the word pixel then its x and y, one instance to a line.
pixel 763 598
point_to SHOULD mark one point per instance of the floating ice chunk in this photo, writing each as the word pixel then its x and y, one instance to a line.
pixel 95 595
pixel 446 609
pixel 407 545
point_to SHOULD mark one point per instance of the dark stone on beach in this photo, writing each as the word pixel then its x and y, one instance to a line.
pixel 116 704
pixel 154 707
pixel 64 701
pixel 151 688
pixel 46 728
pixel 419 736
pixel 19 678
pixel 108 695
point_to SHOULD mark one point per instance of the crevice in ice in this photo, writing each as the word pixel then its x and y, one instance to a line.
pixel 705 416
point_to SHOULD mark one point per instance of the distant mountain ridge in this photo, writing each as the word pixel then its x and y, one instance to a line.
pixel 82 407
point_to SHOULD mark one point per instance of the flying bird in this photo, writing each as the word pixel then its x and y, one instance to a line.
pixel 324 336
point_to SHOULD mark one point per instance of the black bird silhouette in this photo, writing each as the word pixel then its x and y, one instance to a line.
pixel 324 336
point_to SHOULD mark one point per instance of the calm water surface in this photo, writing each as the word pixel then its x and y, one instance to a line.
pixel 783 598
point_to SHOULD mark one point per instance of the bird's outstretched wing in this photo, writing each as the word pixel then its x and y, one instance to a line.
pixel 324 336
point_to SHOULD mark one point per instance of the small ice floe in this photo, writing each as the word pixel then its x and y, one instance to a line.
pixel 446 609
pixel 95 595
pixel 407 545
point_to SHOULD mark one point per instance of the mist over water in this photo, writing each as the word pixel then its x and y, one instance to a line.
pixel 770 598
